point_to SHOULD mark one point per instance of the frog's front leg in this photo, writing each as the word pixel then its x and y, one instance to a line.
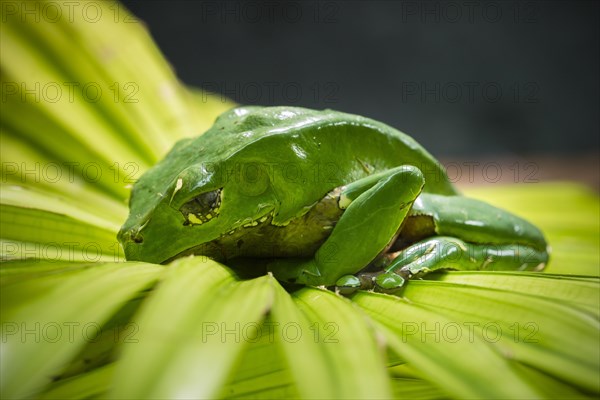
pixel 375 208
pixel 466 234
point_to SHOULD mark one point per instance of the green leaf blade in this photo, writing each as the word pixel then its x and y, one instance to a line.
pixel 414 333
pixel 41 334
pixel 550 335
pixel 190 332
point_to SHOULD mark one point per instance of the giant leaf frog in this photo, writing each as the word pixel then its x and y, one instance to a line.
pixel 322 198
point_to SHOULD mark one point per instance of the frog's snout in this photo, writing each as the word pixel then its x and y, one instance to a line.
pixel 136 237
pixel 130 240
pixel 130 235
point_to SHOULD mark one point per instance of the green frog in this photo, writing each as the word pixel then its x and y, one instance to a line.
pixel 322 198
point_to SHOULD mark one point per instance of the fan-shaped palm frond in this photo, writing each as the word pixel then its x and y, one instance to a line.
pixel 86 108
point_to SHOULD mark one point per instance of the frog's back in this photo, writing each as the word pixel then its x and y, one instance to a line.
pixel 246 126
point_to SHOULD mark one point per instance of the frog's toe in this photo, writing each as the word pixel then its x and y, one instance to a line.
pixel 347 284
pixel 388 282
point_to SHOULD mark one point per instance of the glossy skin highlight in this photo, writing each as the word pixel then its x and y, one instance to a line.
pixel 319 195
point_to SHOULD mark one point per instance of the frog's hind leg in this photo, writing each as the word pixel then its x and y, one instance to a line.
pixel 375 208
pixel 472 221
pixel 455 232
pixel 442 252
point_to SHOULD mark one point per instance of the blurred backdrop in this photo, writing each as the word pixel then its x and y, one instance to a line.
pixel 465 78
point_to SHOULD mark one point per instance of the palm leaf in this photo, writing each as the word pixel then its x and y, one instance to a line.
pixel 194 328
pixel 49 312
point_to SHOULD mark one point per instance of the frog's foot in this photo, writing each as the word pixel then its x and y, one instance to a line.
pixel 383 282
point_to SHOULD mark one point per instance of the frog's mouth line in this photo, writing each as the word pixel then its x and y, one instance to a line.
pixel 228 245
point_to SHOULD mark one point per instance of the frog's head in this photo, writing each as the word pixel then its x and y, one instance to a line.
pixel 161 211
pixel 193 197
pixel 207 187
pixel 187 216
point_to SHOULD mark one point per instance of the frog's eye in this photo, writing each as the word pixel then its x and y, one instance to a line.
pixel 201 208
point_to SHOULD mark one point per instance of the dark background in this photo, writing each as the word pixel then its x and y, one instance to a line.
pixel 462 77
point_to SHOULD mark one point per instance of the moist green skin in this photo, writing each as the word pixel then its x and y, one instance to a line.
pixel 286 177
